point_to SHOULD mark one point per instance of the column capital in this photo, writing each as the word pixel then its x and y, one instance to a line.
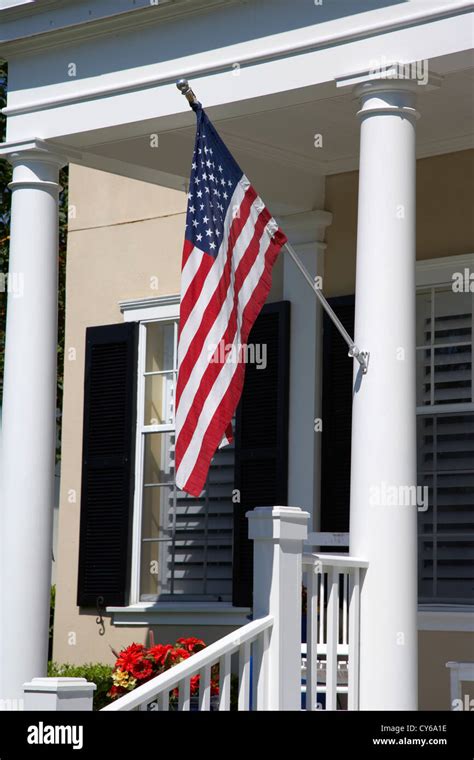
pixel 307 228
pixel 391 88
pixel 35 162
pixel 34 149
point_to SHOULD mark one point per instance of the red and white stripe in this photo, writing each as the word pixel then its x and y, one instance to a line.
pixel 220 299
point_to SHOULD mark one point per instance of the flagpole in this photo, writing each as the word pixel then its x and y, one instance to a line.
pixel 354 352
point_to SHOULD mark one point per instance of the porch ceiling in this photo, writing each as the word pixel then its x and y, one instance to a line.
pixel 275 144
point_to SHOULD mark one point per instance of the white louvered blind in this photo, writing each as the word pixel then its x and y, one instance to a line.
pixel 446 445
pixel 186 542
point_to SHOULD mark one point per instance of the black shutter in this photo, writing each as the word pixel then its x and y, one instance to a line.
pixel 261 439
pixel 107 464
pixel 337 420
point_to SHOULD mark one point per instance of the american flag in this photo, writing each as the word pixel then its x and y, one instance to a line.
pixel 231 244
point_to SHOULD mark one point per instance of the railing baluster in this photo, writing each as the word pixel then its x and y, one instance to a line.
pixel 354 612
pixel 312 640
pixel 322 609
pixel 332 639
pixel 184 695
pixel 224 682
pixel 163 701
pixel 260 671
pixel 345 597
pixel 205 689
pixel 244 676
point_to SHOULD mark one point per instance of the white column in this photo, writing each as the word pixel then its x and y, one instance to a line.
pixel 29 412
pixel 306 233
pixel 278 534
pixel 383 531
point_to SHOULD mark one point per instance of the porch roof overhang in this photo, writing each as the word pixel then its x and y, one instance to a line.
pixel 99 79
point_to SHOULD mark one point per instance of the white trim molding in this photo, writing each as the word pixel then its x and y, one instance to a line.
pixel 157 307
pixel 446 617
pixel 249 53
pixel 179 613
pixel 440 271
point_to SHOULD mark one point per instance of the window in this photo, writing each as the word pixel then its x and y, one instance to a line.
pixel 445 412
pixel 183 544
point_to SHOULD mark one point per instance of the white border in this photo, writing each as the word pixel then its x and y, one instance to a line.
pixel 446 617
pixel 179 613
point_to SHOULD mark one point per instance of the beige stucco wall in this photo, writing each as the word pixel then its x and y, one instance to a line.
pixel 124 235
pixel 436 648
pixel 444 220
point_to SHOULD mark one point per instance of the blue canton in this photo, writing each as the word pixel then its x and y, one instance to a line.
pixel 214 176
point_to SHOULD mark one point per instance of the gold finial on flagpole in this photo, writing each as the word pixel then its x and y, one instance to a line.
pixel 185 89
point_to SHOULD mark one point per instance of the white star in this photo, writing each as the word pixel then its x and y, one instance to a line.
pixel 199 238
pixel 214 220
pixel 212 246
pixel 218 233
pixel 225 196
pixel 229 183
pixel 195 222
pixel 201 206
pixel 199 193
pixel 199 149
pixel 192 209
pixel 221 169
pixel 206 150
pixel 223 182
pixel 194 165
pixel 208 233
pixel 210 151
pixel 221 208
pixel 207 189
pixel 204 176
pixel 208 164
pixel 205 219
pixel 190 195
pixel 197 180
pixel 211 177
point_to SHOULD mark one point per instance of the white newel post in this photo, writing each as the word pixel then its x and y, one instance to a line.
pixel 383 527
pixel 278 534
pixel 57 694
pixel 29 413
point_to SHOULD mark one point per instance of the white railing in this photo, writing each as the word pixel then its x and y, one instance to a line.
pixel 250 643
pixel 265 660
pixel 331 656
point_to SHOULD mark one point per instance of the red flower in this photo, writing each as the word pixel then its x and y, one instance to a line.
pixel 129 656
pixel 194 685
pixel 176 655
pixel 142 669
pixel 116 691
pixel 159 652
pixel 192 644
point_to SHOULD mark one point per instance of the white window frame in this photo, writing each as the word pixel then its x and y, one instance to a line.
pixel 169 612
pixel 438 273
pixel 163 312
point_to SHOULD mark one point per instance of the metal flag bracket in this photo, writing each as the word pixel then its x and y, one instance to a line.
pixel 354 352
